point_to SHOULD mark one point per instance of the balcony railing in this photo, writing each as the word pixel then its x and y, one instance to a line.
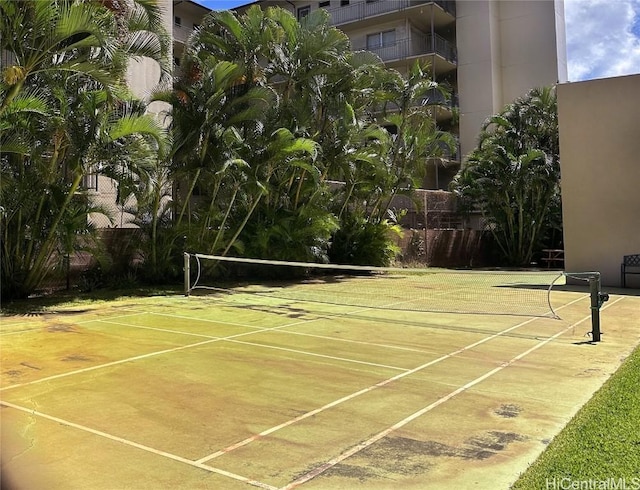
pixel 181 33
pixel 363 10
pixel 416 46
pixel 435 96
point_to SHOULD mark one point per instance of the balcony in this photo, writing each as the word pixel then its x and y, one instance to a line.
pixel 446 155
pixel 435 96
pixel 181 33
pixel 414 47
pixel 364 10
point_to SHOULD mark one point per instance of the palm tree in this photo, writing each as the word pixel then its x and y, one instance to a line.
pixel 513 176
pixel 269 174
pixel 231 145
pixel 67 111
pixel 213 122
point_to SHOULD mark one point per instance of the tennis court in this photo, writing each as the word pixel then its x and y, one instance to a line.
pixel 247 390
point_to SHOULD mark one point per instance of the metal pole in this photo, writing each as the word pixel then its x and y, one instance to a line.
pixel 187 273
pixel 594 288
pixel 426 227
pixel 597 298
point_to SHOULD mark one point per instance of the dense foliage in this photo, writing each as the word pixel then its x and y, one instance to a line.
pixel 513 176
pixel 277 151
pixel 284 140
pixel 65 111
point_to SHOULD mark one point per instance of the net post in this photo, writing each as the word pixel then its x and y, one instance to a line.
pixel 187 272
pixel 594 290
pixel 597 298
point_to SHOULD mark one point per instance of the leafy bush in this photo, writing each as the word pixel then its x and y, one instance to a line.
pixel 363 242
pixel 302 235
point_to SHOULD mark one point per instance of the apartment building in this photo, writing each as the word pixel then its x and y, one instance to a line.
pixel 488 52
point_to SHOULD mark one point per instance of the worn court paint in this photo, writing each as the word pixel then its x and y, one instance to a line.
pixel 365 444
pixel 332 481
pixel 138 446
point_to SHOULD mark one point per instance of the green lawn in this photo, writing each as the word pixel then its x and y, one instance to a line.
pixel 601 445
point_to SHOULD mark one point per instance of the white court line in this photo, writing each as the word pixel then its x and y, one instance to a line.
pixel 165 454
pixel 40 327
pixel 365 444
pixel 313 354
pixel 134 358
pixel 151 354
pixel 111 317
pixel 108 364
pixel 266 346
pixel 351 341
pixel 369 389
pixel 167 330
pixel 185 317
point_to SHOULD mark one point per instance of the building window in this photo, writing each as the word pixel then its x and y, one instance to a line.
pixel 381 39
pixel 176 61
pixel 90 181
pixel 177 21
pixel 324 4
pixel 344 3
pixel 303 12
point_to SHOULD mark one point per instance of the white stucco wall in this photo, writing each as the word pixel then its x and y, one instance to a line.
pixel 600 165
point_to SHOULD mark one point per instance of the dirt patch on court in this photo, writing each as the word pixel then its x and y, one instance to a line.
pixel 31 366
pixel 400 456
pixel 508 410
pixel 359 473
pixel 589 372
pixel 281 310
pixel 74 358
pixel 485 446
pixel 61 327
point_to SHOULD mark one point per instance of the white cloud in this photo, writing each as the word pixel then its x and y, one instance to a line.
pixel 601 41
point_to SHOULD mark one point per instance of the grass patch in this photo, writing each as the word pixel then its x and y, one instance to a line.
pixel 601 443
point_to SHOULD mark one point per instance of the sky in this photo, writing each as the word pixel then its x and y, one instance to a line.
pixel 603 36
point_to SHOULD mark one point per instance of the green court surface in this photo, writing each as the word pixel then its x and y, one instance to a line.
pixel 219 391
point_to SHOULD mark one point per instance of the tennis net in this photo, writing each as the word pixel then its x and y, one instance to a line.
pixel 524 293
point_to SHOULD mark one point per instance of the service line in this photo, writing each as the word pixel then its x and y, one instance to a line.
pixel 211 339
